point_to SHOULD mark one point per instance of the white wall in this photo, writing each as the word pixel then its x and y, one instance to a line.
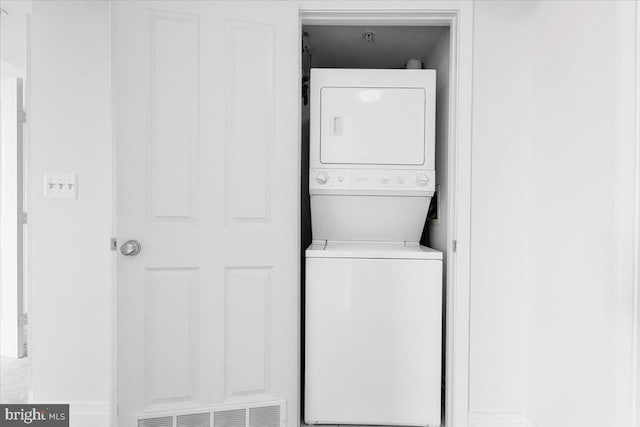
pixel 71 132
pixel 571 240
pixel 543 301
pixel 501 96
pixel 13 35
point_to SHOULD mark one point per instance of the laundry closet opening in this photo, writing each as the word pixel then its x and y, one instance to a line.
pixel 381 47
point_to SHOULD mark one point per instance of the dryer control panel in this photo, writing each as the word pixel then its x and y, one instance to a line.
pixel 371 181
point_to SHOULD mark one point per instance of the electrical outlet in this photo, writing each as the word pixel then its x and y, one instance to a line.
pixel 61 186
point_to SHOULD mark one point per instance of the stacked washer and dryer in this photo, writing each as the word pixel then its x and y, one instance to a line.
pixel 373 326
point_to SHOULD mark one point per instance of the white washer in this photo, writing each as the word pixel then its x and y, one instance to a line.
pixel 373 334
pixel 373 294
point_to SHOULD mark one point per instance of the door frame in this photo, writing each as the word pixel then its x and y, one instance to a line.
pixel 16 86
pixel 458 15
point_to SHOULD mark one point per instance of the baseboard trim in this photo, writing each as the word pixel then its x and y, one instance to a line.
pixel 94 414
pixel 499 419
pixel 86 414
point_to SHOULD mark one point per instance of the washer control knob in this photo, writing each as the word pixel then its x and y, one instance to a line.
pixel 340 178
pixel 322 178
pixel 422 180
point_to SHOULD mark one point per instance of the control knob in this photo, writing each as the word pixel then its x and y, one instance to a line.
pixel 422 180
pixel 322 178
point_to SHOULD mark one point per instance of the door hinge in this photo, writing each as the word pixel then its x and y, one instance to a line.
pixel 454 246
pixel 24 217
pixel 23 319
pixel 22 116
pixel 113 244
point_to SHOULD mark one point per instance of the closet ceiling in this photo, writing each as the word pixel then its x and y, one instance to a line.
pixel 345 46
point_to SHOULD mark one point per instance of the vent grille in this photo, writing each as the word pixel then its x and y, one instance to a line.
pixel 257 414
pixel 156 422
pixel 231 418
pixel 266 416
pixel 194 420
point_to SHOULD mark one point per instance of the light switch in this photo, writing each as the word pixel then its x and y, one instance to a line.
pixel 61 186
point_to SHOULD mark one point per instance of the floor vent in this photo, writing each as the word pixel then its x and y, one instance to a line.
pixel 263 414
pixel 156 422
pixel 230 418
pixel 194 420
pixel 266 416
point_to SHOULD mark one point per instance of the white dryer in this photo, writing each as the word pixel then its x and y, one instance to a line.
pixel 373 306
pixel 372 135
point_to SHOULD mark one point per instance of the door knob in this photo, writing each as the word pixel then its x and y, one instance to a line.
pixel 130 248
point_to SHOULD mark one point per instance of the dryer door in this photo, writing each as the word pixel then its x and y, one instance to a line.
pixel 372 126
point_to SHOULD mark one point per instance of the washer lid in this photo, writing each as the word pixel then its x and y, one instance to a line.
pixel 371 250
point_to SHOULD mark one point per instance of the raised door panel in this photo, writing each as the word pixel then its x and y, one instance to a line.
pixel 172 164
pixel 247 309
pixel 171 334
pixel 250 120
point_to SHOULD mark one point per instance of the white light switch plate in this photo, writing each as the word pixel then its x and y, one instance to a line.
pixel 61 186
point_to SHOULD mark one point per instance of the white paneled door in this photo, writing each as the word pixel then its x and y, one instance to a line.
pixel 206 113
